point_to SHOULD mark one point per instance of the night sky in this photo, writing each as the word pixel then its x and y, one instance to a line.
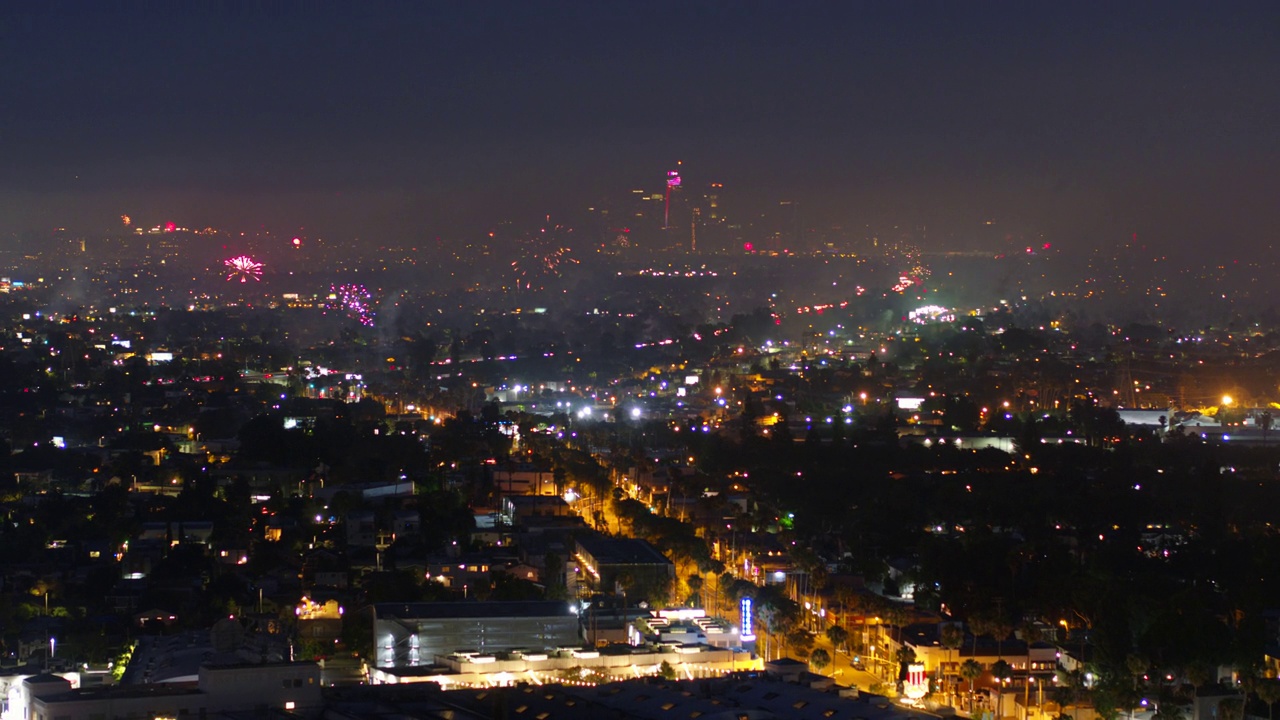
pixel 395 121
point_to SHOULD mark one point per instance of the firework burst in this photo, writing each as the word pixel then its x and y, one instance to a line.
pixel 541 257
pixel 354 300
pixel 242 267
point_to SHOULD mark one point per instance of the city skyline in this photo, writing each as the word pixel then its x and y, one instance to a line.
pixel 809 359
pixel 395 122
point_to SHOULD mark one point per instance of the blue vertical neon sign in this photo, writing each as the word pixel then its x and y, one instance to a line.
pixel 745 611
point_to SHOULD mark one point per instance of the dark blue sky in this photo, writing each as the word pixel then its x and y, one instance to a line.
pixel 395 120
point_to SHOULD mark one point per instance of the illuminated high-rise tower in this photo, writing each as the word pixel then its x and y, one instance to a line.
pixel 693 230
pixel 711 200
pixel 788 229
pixel 673 185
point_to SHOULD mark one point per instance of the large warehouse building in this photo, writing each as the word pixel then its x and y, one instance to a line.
pixel 414 634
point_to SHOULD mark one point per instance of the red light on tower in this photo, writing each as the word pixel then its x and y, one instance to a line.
pixel 748 247
pixel 170 226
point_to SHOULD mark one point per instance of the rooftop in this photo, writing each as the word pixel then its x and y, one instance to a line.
pixel 622 551
pixel 496 609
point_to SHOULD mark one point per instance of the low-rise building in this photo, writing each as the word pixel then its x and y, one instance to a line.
pixel 613 562
pixel 517 508
pixel 684 626
pixel 524 480
pixel 457 572
pixel 293 686
pixel 416 634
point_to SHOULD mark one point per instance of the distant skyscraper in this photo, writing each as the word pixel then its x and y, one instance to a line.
pixel 711 200
pixel 634 221
pixel 673 186
pixel 675 213
pixel 693 230
pixel 788 227
pixel 713 227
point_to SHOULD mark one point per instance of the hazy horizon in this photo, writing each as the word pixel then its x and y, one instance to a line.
pixel 398 121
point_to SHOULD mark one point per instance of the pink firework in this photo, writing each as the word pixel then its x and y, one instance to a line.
pixel 354 300
pixel 243 267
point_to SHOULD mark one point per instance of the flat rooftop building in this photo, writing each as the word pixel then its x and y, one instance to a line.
pixel 291 686
pixel 415 634
pixel 607 559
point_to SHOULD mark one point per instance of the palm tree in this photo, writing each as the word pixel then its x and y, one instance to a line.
pixel 1231 708
pixel 838 636
pixel 695 589
pixel 1198 676
pixel 724 587
pixel 1137 666
pixel 560 478
pixel 819 659
pixel 970 670
pixel 1001 671
pixel 1031 633
pixel 905 657
pixel 851 601
pixel 1000 629
pixel 1170 710
pixel 950 637
pixel 897 615
pixel 1067 689
pixel 847 599
pixel 1269 693
pixel 978 625
pixel 800 642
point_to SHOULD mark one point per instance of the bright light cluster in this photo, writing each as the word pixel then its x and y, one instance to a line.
pixel 916 275
pixel 931 313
